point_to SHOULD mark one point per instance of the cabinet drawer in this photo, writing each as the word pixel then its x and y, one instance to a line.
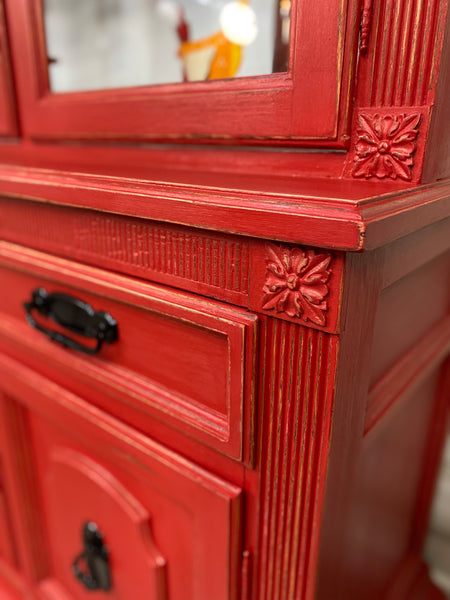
pixel 170 530
pixel 179 359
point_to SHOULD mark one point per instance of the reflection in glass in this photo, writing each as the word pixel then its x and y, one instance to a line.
pixel 99 44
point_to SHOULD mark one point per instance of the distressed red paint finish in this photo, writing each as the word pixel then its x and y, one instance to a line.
pixel 386 145
pixel 296 283
pixel 269 423
pixel 366 25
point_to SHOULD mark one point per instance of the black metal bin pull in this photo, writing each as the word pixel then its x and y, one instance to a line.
pixel 91 567
pixel 72 314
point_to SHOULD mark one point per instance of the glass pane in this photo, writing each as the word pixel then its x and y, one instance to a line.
pixel 98 44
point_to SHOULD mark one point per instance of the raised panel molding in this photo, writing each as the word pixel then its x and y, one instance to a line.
pixel 195 515
pixel 297 384
pixel 120 516
pixel 407 373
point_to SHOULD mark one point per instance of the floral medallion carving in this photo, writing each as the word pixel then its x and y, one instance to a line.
pixel 296 282
pixel 386 145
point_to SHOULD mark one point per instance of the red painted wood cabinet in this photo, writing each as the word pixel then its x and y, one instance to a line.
pixel 264 262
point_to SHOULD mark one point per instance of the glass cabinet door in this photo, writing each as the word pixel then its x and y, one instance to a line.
pixel 275 72
pixel 101 44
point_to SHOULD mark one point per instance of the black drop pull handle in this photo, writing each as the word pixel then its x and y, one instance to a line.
pixel 72 314
pixel 91 567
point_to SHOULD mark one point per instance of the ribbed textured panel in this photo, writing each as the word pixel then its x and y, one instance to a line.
pixel 176 252
pixel 144 248
pixel 403 44
pixel 297 392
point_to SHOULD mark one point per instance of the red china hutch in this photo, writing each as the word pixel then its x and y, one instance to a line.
pixel 224 313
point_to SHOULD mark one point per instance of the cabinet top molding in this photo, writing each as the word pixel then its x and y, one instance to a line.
pixel 342 215
pixel 347 150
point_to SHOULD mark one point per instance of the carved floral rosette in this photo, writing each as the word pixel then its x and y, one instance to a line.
pixel 296 283
pixel 385 145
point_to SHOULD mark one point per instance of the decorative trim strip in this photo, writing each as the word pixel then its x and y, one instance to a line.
pixel 366 26
pixel 297 388
pixel 212 264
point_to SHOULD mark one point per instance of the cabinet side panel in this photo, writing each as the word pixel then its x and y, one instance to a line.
pixel 407 310
pixel 389 482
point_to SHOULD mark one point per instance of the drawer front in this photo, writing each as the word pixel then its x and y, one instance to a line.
pixel 179 359
pixel 168 530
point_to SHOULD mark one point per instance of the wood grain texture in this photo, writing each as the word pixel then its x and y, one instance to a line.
pixel 290 211
pixel 297 395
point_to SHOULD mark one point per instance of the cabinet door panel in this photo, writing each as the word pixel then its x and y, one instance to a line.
pixel 78 490
pixel 172 529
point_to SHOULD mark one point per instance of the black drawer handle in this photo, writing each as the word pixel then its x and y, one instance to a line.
pixel 74 315
pixel 96 574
